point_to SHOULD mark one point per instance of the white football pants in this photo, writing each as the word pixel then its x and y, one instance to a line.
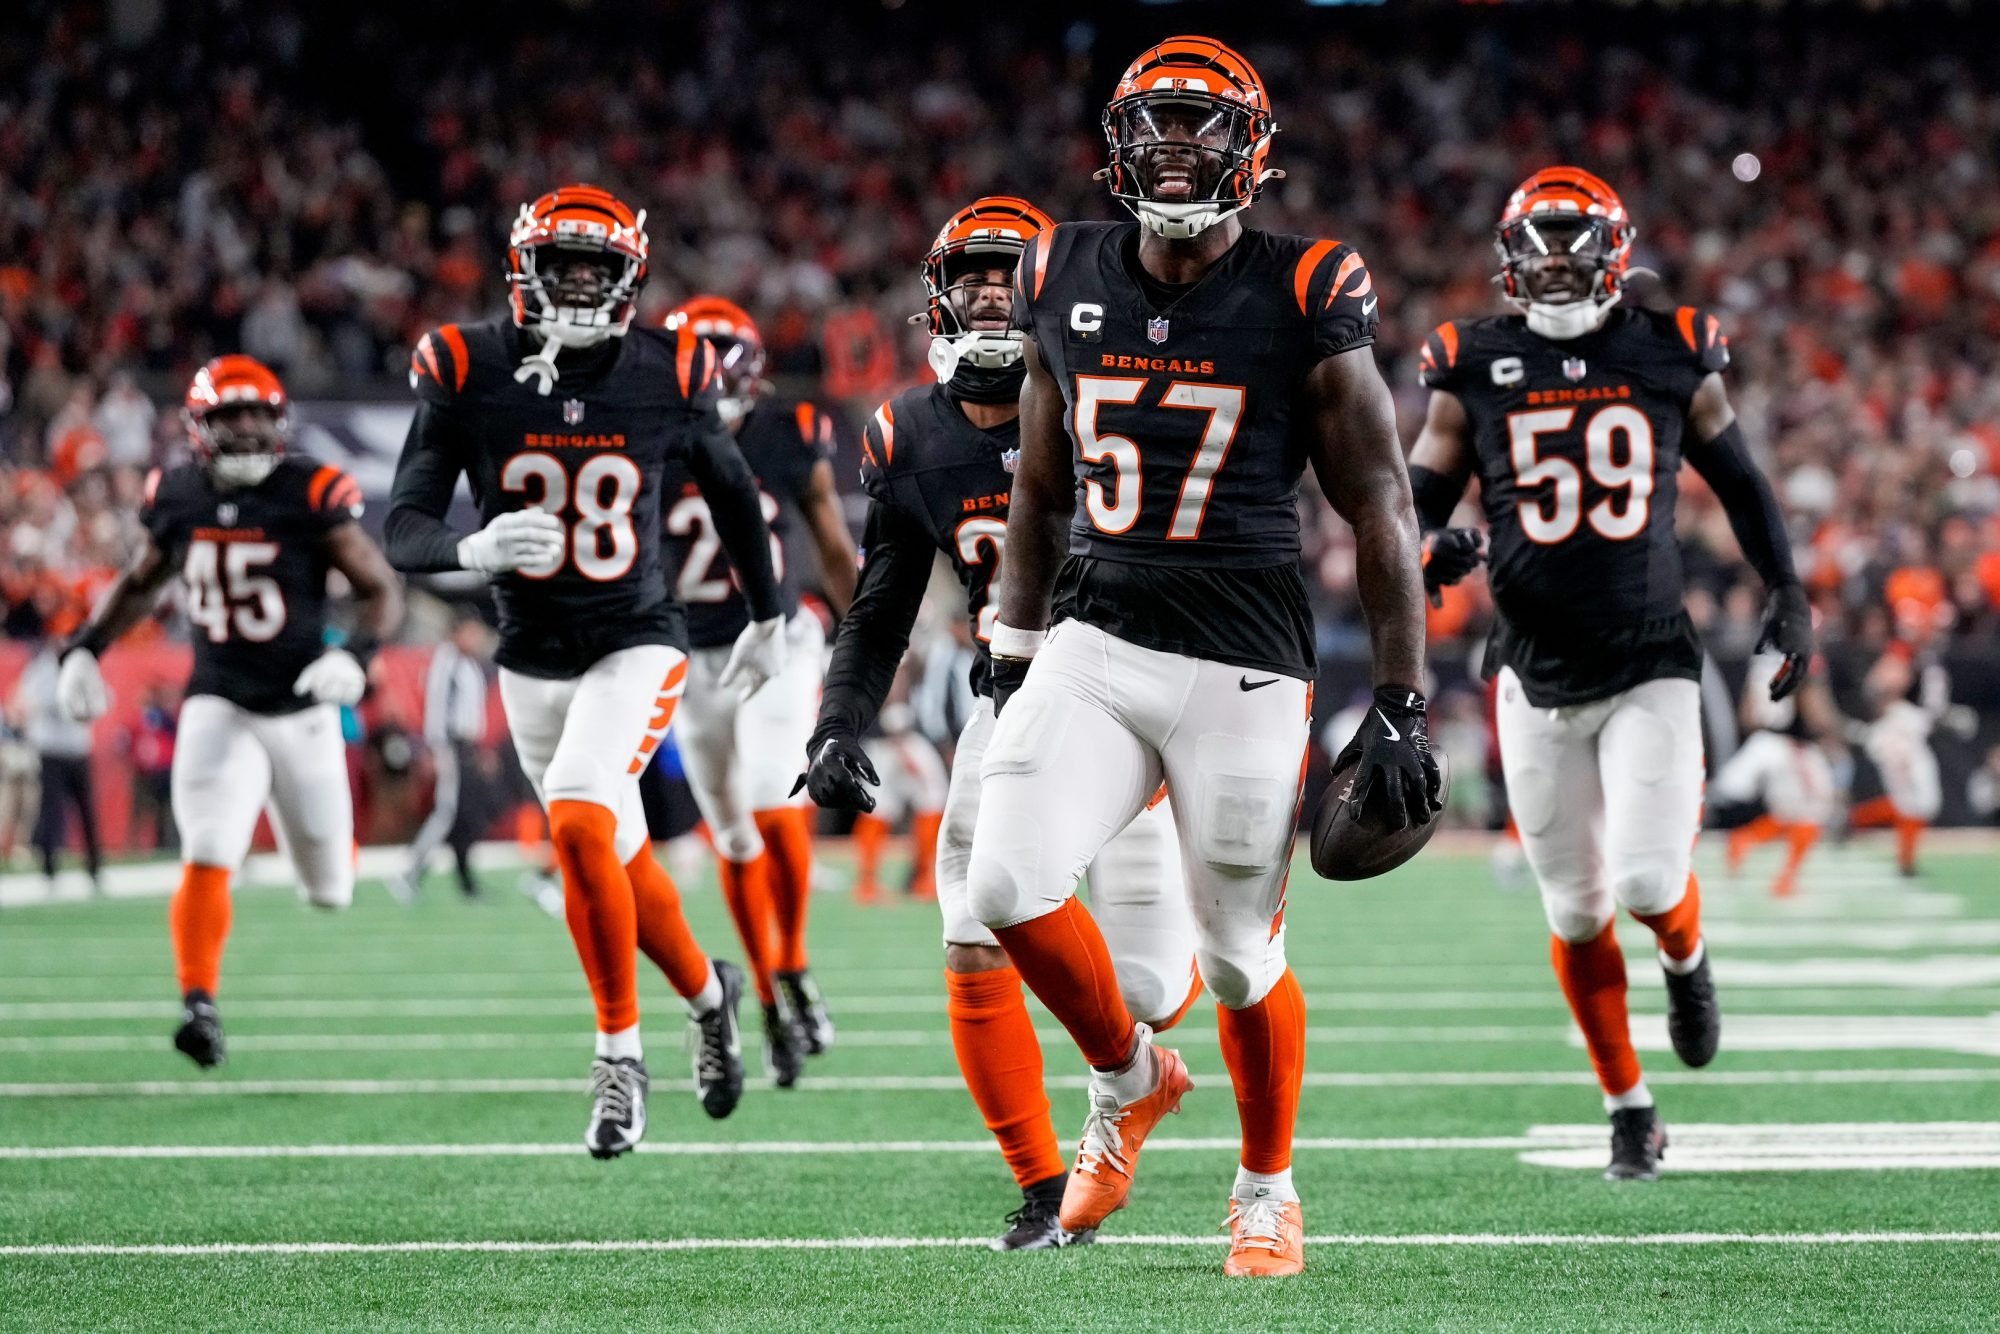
pixel 1899 744
pixel 1136 892
pixel 743 755
pixel 1082 748
pixel 588 738
pixel 1791 777
pixel 230 762
pixel 1607 796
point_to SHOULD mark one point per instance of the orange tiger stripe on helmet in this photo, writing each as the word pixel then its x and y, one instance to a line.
pixel 1218 69
pixel 234 379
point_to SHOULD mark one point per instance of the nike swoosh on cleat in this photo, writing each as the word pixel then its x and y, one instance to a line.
pixel 1393 734
pixel 1246 683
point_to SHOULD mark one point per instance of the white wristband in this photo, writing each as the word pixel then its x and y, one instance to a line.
pixel 1009 642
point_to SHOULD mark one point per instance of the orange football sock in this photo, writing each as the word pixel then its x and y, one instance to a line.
pixel 870 833
pixel 1753 835
pixel 1264 1046
pixel 198 919
pixel 746 888
pixel 1908 831
pixel 787 833
pixel 1799 839
pixel 924 827
pixel 1001 1060
pixel 600 908
pixel 1679 927
pixel 1065 962
pixel 1593 982
pixel 1874 813
pixel 664 935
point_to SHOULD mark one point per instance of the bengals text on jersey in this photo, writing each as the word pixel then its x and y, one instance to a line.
pixel 1578 444
pixel 255 563
pixel 1182 405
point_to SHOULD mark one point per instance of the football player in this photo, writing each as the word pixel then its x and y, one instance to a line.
pixel 938 466
pixel 1576 415
pixel 564 419
pixel 253 533
pixel 1182 371
pixel 1897 742
pixel 739 753
pixel 1782 766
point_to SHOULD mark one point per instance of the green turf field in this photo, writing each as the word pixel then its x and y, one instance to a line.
pixel 1838 1168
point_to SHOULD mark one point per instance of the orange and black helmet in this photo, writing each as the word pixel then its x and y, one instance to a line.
pixel 1190 131
pixel 739 347
pixel 1565 212
pixel 985 235
pixel 240 457
pixel 577 222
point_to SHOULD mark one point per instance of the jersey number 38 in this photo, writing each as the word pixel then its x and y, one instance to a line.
pixel 602 544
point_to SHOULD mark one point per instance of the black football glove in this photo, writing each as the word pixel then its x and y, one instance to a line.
pixel 839 776
pixel 1449 555
pixel 1398 773
pixel 1008 674
pixel 1788 630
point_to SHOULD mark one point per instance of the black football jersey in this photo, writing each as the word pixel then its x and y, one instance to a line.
pixel 254 561
pixel 1185 409
pixel 1578 445
pixel 594 451
pixel 782 443
pixel 935 471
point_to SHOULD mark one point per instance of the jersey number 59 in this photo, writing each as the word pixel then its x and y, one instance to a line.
pixel 1553 516
pixel 602 544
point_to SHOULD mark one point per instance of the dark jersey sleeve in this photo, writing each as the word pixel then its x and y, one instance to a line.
pixel 164 520
pixel 897 556
pixel 1437 364
pixel 736 508
pixel 332 498
pixel 416 537
pixel 1339 297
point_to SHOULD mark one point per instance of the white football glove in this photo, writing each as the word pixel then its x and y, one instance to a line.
pixel 80 689
pixel 529 540
pixel 758 655
pixel 334 677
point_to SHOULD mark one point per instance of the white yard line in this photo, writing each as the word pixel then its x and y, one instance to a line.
pixel 394 1088
pixel 1206 1242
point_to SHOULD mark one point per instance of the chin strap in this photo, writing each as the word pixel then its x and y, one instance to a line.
pixel 542 366
pixel 1569 319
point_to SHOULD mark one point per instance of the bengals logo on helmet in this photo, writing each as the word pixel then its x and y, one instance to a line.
pixel 1190 130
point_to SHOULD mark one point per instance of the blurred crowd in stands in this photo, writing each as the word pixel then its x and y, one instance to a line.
pixel 315 187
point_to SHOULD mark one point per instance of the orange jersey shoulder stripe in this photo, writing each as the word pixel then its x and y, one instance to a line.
pixel 1308 263
pixel 1346 271
pixel 684 360
pixel 461 361
pixel 804 414
pixel 321 480
pixel 1448 335
pixel 885 420
pixel 427 355
pixel 1685 318
pixel 1043 244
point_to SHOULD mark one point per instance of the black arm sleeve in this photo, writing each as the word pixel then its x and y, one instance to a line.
pixel 1436 496
pixel 416 538
pixel 1746 495
pixel 876 632
pixel 730 489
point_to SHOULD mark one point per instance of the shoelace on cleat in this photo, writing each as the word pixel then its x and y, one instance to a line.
pixel 711 1046
pixel 1258 1225
pixel 614 1085
pixel 1102 1143
pixel 1032 1213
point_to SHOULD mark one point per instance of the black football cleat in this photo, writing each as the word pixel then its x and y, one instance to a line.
pixel 1638 1142
pixel 1035 1226
pixel 801 996
pixel 617 1107
pixel 200 1035
pixel 784 1046
pixel 717 1040
pixel 1694 1018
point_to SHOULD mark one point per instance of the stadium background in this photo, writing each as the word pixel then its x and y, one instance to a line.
pixel 316 184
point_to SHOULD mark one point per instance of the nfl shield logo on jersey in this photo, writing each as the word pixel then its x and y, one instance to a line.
pixel 1156 329
pixel 1574 369
pixel 572 411
pixel 1010 459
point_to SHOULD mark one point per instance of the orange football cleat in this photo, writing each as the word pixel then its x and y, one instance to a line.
pixel 1267 1239
pixel 1112 1137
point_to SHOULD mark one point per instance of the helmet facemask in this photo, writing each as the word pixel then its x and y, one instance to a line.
pixel 1566 270
pixel 240 443
pixel 577 295
pixel 971 317
pixel 739 372
pixel 1183 161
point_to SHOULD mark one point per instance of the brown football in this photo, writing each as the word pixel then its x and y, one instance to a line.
pixel 1346 848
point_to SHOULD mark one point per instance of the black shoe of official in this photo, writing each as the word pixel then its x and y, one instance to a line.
pixel 808 1007
pixel 200 1035
pixel 1638 1142
pixel 617 1106
pixel 784 1045
pixel 1694 1018
pixel 1035 1226
pixel 717 1040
